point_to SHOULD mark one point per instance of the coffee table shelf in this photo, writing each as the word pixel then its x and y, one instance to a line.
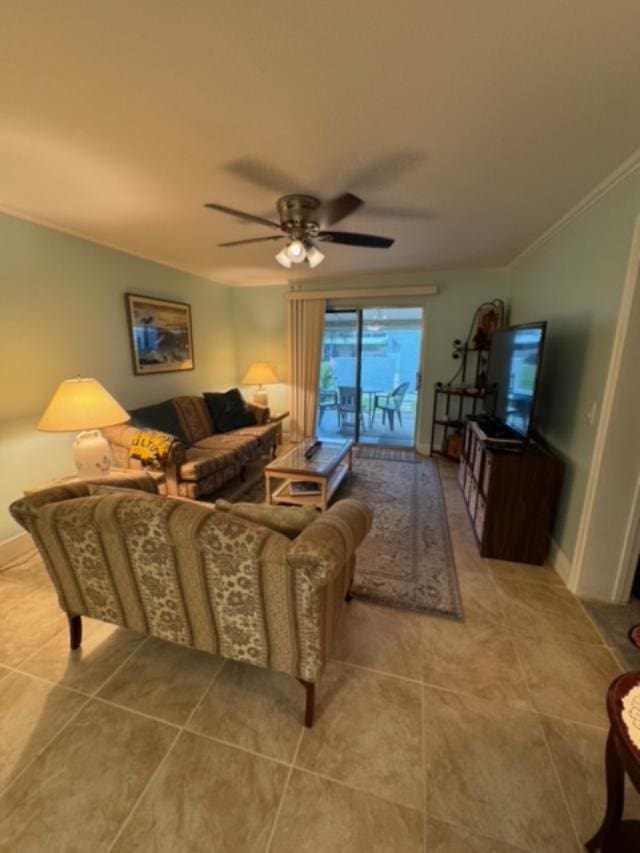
pixel 328 468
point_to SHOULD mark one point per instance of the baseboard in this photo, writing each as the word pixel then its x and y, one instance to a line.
pixel 423 449
pixel 14 548
pixel 560 562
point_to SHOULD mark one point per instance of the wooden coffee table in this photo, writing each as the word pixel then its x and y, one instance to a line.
pixel 327 468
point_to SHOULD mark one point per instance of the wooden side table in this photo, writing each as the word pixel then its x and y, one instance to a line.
pixel 158 477
pixel 278 419
pixel 621 756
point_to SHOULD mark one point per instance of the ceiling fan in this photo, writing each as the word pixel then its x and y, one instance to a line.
pixel 304 220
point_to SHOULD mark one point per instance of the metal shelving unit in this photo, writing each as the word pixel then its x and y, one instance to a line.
pixel 474 357
pixel 456 408
pixel 452 421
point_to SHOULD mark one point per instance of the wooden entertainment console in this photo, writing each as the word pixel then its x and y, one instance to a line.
pixel 511 496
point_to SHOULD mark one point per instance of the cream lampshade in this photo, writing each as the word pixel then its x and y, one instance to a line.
pixel 260 373
pixel 83 404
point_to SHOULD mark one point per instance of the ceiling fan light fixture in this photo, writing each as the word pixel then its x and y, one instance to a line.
pixel 314 256
pixel 283 259
pixel 296 252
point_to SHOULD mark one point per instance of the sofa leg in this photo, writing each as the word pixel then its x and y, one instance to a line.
pixel 75 631
pixel 310 701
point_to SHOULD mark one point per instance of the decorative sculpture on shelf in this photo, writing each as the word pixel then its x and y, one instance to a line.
pixel 487 318
pixel 462 399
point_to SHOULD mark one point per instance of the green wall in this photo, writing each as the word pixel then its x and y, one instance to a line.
pixel 259 325
pixel 574 281
pixel 260 322
pixel 62 314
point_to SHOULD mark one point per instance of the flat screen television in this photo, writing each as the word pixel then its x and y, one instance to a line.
pixel 514 371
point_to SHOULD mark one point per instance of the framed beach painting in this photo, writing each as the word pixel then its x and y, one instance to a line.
pixel 160 334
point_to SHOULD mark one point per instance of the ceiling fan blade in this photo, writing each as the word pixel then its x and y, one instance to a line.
pixel 263 175
pixel 387 169
pixel 251 240
pixel 396 212
pixel 241 215
pixel 337 208
pixel 346 238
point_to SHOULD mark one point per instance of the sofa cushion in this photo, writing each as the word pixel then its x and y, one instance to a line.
pixel 257 431
pixel 229 411
pixel 290 520
pixel 194 417
pixel 246 448
pixel 203 463
pixel 266 436
pixel 161 417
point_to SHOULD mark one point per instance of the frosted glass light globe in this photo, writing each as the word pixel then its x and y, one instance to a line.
pixel 296 251
pixel 283 259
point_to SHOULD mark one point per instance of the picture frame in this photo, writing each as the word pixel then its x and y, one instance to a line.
pixel 160 334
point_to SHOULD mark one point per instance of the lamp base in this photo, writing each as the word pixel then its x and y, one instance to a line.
pixel 260 397
pixel 92 454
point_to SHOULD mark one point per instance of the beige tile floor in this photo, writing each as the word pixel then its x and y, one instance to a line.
pixel 484 736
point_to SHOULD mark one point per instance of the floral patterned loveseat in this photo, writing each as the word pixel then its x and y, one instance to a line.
pixel 194 575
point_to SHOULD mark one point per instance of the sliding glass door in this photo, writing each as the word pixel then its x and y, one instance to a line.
pixel 369 375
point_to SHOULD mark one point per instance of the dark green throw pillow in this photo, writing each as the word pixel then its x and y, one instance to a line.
pixel 228 410
pixel 161 417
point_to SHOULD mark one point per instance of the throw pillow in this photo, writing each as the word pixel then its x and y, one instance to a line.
pixel 151 448
pixel 290 520
pixel 162 417
pixel 229 411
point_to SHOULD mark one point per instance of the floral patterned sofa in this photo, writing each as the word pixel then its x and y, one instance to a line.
pixel 194 575
pixel 201 459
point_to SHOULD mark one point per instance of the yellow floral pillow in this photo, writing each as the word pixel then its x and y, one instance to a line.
pixel 151 448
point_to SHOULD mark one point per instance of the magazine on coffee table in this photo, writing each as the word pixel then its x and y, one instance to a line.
pixel 304 488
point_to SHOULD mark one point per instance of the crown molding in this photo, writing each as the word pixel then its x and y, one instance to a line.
pixel 623 171
pixel 62 229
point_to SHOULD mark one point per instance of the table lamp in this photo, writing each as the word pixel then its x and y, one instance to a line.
pixel 83 404
pixel 260 373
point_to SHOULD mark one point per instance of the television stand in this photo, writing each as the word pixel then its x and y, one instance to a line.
pixel 511 491
pixel 493 430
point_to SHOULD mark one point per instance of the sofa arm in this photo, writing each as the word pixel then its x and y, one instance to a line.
pixel 326 545
pixel 261 413
pixel 120 439
pixel 25 510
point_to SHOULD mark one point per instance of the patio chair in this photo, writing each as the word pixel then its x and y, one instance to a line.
pixel 348 407
pixel 390 405
pixel 328 401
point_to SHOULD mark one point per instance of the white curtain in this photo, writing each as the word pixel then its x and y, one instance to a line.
pixel 305 326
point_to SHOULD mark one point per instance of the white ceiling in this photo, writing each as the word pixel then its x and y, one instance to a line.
pixel 468 127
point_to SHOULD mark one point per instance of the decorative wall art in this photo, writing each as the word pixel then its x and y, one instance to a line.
pixel 160 334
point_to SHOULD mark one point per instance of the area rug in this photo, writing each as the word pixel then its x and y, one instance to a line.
pixel 406 561
pixel 390 454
